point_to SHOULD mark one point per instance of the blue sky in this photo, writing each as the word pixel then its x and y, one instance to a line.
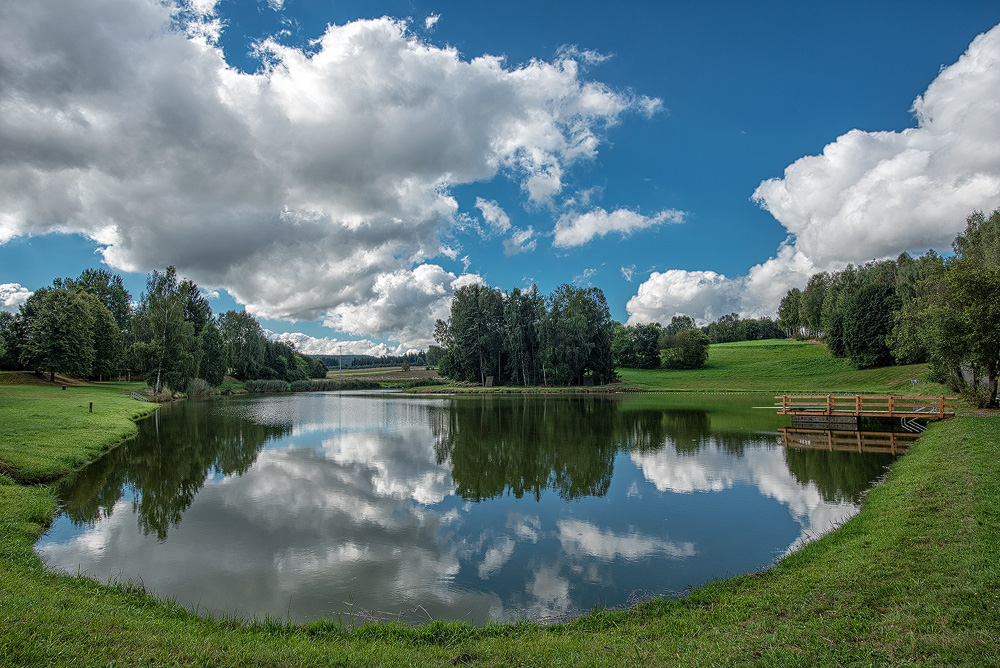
pixel 340 168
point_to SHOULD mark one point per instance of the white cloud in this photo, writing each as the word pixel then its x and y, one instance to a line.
pixel 496 556
pixel 12 295
pixel 521 241
pixel 431 21
pixel 702 295
pixel 404 303
pixel 872 195
pixel 493 214
pixel 715 469
pixel 576 229
pixel 307 188
pixel 579 537
pixel 628 272
pixel 311 345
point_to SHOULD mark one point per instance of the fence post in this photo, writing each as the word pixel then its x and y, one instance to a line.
pixel 829 402
pixel 892 404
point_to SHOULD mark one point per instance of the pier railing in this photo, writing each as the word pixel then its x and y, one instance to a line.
pixel 865 405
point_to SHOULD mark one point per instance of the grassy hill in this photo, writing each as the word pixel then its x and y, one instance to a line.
pixel 781 366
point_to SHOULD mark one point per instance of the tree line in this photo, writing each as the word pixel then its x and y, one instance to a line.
pixel 90 328
pixel 925 309
pixel 523 338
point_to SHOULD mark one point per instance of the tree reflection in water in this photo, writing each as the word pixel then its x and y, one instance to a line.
pixel 163 470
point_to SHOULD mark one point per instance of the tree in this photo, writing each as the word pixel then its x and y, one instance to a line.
pixel 679 323
pixel 10 347
pixel 868 321
pixel 576 335
pixel 788 312
pixel 522 313
pixel 434 354
pixel 108 288
pixel 166 346
pixel 959 323
pixel 60 335
pixel 106 337
pixel 213 354
pixel 811 303
pixel 244 343
pixel 688 349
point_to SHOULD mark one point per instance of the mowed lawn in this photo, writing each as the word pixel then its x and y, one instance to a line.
pixel 781 366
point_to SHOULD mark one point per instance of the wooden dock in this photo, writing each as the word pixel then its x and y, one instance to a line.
pixel 895 443
pixel 864 405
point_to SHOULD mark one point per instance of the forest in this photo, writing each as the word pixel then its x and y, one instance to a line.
pixel 89 327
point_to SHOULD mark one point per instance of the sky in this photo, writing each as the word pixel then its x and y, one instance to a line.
pixel 339 169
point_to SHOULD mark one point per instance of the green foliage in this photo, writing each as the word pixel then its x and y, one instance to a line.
pixel 688 349
pixel 60 333
pixel 434 355
pixel 868 320
pixel 260 386
pixel 636 346
pixel 788 312
pixel 732 328
pixel 521 338
pixel 108 288
pixel 576 333
pixel 166 344
pixel 213 354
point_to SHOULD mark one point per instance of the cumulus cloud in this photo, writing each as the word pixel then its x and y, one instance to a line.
pixel 703 295
pixel 576 229
pixel 12 295
pixel 870 194
pixel 307 189
pixel 329 345
pixel 404 303
pixel 431 21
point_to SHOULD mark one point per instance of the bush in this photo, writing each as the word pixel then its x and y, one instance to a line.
pixel 198 387
pixel 261 386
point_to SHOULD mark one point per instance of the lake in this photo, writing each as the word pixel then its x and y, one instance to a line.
pixel 393 506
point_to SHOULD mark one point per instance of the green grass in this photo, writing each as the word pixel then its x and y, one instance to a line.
pixel 780 366
pixel 46 431
pixel 913 580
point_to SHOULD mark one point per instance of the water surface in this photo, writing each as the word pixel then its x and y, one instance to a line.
pixel 477 508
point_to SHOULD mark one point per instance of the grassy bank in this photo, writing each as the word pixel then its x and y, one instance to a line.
pixel 47 431
pixel 913 580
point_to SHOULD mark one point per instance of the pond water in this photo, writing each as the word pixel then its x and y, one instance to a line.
pixel 390 506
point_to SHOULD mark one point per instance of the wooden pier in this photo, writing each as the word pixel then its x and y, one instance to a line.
pixel 895 443
pixel 865 405
pixel 843 411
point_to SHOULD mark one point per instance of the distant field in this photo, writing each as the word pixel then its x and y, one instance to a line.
pixel 782 366
pixel 384 374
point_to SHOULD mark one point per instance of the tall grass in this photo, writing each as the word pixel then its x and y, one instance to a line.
pixel 327 385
